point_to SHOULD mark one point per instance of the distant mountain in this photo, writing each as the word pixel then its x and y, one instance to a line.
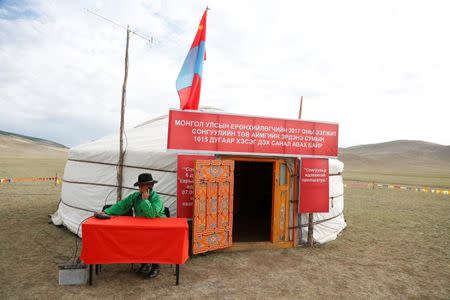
pixel 34 139
pixel 17 145
pixel 402 156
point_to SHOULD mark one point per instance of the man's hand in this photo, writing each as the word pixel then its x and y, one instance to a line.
pixel 145 191
pixel 145 194
pixel 101 215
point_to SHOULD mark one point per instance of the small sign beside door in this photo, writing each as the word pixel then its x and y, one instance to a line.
pixel 185 184
pixel 314 185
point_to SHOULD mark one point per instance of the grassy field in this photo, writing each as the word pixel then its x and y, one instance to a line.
pixel 396 245
pixel 12 167
pixel 418 179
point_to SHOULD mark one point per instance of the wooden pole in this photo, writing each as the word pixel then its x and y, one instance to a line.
pixel 310 230
pixel 310 241
pixel 122 115
pixel 124 92
pixel 300 110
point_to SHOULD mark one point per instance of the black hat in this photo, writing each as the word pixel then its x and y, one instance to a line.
pixel 145 178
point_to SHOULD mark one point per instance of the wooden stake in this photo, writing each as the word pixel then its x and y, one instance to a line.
pixel 122 115
pixel 310 230
pixel 298 198
pixel 310 241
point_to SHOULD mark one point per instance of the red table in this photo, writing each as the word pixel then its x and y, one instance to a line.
pixel 135 240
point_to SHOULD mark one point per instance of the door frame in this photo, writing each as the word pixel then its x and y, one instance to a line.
pixel 275 196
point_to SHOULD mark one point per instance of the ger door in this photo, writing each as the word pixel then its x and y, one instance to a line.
pixel 213 205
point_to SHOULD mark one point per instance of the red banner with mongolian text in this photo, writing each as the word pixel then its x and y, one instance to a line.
pixel 314 185
pixel 185 184
pixel 226 133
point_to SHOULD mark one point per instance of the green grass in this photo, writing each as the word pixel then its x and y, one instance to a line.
pixel 31 167
pixel 425 180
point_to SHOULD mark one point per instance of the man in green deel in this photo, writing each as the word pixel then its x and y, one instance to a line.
pixel 145 203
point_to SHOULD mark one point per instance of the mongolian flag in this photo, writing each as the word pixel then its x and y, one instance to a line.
pixel 189 80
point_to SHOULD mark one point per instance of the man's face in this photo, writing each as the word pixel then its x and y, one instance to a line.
pixel 145 187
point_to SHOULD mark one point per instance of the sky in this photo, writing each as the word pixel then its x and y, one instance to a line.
pixel 381 69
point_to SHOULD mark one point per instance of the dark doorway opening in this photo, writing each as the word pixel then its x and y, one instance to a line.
pixel 252 203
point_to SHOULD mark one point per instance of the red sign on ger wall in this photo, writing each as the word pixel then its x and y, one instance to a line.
pixel 225 133
pixel 314 185
pixel 185 184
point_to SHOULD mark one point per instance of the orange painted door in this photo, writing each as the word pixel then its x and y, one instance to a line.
pixel 280 212
pixel 213 205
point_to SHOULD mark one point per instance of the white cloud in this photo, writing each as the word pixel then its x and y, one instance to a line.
pixel 379 69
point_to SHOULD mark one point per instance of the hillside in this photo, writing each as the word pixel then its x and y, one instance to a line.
pixel 402 161
pixel 19 146
pixel 403 157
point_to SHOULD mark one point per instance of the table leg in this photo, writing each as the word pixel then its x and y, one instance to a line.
pixel 97 267
pixel 190 237
pixel 177 272
pixel 90 274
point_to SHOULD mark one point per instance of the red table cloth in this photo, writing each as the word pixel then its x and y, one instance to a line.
pixel 135 240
